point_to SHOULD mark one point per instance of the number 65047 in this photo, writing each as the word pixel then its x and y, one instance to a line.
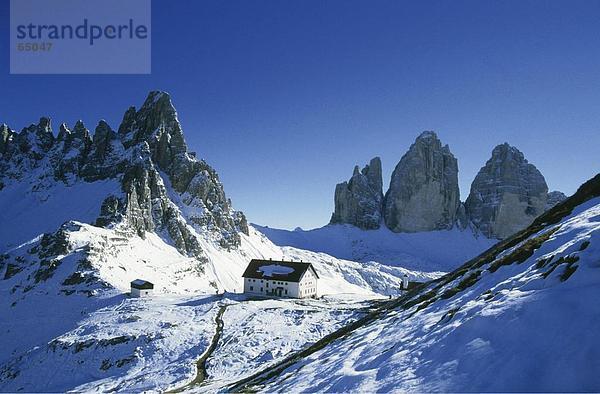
pixel 34 46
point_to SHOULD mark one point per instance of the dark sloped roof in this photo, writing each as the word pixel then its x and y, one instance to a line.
pixel 277 270
pixel 141 284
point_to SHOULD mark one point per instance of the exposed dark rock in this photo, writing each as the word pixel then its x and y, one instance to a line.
pixel 554 198
pixel 6 135
pixel 156 129
pixel 111 211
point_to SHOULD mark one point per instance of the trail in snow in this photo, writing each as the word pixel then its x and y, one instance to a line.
pixel 201 374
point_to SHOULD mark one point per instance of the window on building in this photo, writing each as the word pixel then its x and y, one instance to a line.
pixel 251 288
pixel 286 291
pixel 261 289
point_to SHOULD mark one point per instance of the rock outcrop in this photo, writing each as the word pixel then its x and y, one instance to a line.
pixel 554 198
pixel 360 200
pixel 423 193
pixel 507 194
pixel 6 135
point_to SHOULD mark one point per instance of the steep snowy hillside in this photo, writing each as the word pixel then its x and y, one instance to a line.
pixel 520 317
pixel 426 251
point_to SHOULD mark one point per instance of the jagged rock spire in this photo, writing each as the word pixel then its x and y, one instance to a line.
pixel 156 122
pixel 6 135
pixel 37 138
pixel 423 193
pixel 507 193
pixel 103 135
pixel 359 201
pixel 63 132
pixel 155 129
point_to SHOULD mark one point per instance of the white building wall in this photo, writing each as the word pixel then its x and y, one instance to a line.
pixel 259 287
pixel 294 290
pixel 137 293
pixel 307 285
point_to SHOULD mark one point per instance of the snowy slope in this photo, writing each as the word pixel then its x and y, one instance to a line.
pixel 153 344
pixel 520 317
pixel 67 290
pixel 28 211
pixel 425 251
pixel 50 285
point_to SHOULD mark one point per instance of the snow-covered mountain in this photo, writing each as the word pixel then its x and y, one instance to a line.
pixel 81 216
pixel 520 317
pixel 139 204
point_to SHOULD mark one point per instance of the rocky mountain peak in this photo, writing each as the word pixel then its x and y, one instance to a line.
pixel 63 132
pixel 505 197
pixel 44 125
pixel 359 201
pixel 156 122
pixel 507 193
pixel 430 138
pixel 427 134
pixel 81 132
pixel 6 134
pixel 506 153
pixel 423 193
pixel 163 188
pixel 554 198
pixel 37 138
pixel 373 173
pixel 155 134
pixel 103 135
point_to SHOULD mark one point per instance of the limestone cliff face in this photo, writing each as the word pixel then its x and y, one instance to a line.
pixel 359 201
pixel 423 193
pixel 507 194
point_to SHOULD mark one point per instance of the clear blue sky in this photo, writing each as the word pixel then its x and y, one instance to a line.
pixel 283 98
